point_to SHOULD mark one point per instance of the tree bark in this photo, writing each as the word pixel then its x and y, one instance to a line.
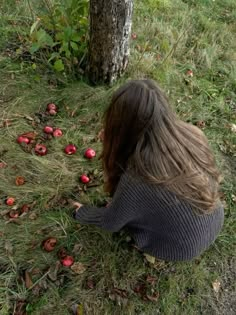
pixel 110 27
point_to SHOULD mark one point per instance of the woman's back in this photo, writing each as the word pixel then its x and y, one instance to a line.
pixel 166 227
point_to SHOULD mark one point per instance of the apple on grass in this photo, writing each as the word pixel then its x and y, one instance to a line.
pixel 48 129
pixel 49 244
pixel 10 201
pixel 189 73
pixel 22 139
pixel 13 214
pixel 40 149
pixel 52 106
pixel 24 209
pixel 90 153
pixel 67 261
pixel 57 133
pixel 70 149
pixel 84 179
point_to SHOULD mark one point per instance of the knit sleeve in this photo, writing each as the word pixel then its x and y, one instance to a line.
pixel 116 216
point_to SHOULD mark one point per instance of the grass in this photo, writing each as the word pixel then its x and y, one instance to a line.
pixel 172 37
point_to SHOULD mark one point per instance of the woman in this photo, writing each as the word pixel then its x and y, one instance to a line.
pixel 162 176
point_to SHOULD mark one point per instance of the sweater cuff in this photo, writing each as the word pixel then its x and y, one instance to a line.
pixel 90 215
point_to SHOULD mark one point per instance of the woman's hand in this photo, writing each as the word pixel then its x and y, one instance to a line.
pixel 75 204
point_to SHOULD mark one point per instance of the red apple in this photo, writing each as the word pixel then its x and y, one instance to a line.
pixel 51 106
pixel 13 214
pixel 90 153
pixel 48 129
pixel 70 149
pixel 189 73
pixel 133 35
pixel 25 208
pixel 49 244
pixel 10 201
pixel 22 139
pixel 3 165
pixel 67 261
pixel 40 149
pixel 52 112
pixel 57 133
pixel 84 179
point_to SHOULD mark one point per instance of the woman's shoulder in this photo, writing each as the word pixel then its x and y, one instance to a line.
pixel 134 182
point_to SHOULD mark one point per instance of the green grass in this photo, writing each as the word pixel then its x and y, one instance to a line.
pixel 172 37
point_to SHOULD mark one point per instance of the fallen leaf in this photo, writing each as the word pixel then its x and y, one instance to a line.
pixel 216 286
pixel 28 280
pixel 77 309
pixel 150 259
pixel 31 135
pixel 233 127
pixel 20 180
pixel 78 268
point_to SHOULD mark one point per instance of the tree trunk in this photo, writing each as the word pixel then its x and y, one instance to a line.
pixel 110 26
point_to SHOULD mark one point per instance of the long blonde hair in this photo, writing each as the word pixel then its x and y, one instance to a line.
pixel 143 133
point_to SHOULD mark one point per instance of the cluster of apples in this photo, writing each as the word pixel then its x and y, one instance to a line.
pixel 49 245
pixel 41 149
pixel 14 214
pixel 70 149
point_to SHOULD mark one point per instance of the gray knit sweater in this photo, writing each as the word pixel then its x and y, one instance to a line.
pixel 161 224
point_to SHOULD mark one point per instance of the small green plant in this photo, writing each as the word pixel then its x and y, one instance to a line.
pixel 59 33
